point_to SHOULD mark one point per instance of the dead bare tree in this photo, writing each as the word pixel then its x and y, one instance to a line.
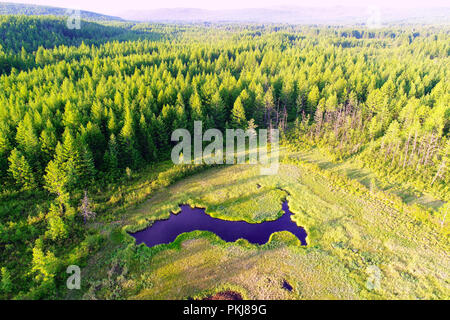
pixel 318 119
pixel 85 208
pixel 406 149
pixel 413 149
pixel 444 212
pixel 440 171
pixel 283 121
pixel 420 151
pixel 395 152
pixel 444 216
pixel 432 144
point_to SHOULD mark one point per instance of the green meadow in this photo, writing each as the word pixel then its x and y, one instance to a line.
pixel 358 246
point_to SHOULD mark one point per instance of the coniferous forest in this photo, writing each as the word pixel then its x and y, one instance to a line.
pixel 86 118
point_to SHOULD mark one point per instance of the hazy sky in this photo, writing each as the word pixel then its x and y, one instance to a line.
pixel 117 6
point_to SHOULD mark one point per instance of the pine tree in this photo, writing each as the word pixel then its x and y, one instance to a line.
pixel 57 229
pixel 6 284
pixel 71 117
pixel 93 138
pixel 131 155
pixel 181 118
pixel 313 99
pixel 44 264
pixel 88 170
pixel 218 111
pixel 259 105
pixel 197 107
pixel 40 57
pixel 111 157
pixel 238 115
pixel 332 102
pixel 57 178
pixel 21 170
pixel 48 143
pixel 5 148
pixel 73 162
pixel 28 141
pixel 269 108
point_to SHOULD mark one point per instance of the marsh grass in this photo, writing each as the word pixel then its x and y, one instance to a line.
pixel 352 232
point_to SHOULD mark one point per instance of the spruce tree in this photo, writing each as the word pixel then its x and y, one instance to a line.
pixel 238 115
pixel 21 170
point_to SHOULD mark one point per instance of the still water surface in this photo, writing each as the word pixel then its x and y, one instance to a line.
pixel 191 219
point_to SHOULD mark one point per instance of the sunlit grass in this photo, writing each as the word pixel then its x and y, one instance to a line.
pixel 349 236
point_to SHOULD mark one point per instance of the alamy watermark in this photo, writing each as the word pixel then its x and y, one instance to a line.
pixel 74 280
pixel 374 278
pixel 236 151
pixel 73 19
pixel 374 17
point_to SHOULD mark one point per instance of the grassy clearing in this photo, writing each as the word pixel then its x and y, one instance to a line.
pixel 353 169
pixel 358 247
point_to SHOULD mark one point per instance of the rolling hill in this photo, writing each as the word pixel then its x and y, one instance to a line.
pixel 7 8
pixel 293 15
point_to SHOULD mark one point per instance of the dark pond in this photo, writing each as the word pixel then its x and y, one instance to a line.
pixel 191 219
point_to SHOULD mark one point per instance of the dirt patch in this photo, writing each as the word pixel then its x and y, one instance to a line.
pixel 225 295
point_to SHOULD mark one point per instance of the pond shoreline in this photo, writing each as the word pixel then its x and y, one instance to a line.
pixel 191 219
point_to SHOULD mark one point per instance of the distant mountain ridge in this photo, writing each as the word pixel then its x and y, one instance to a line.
pixel 338 15
pixel 7 8
pixel 292 15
